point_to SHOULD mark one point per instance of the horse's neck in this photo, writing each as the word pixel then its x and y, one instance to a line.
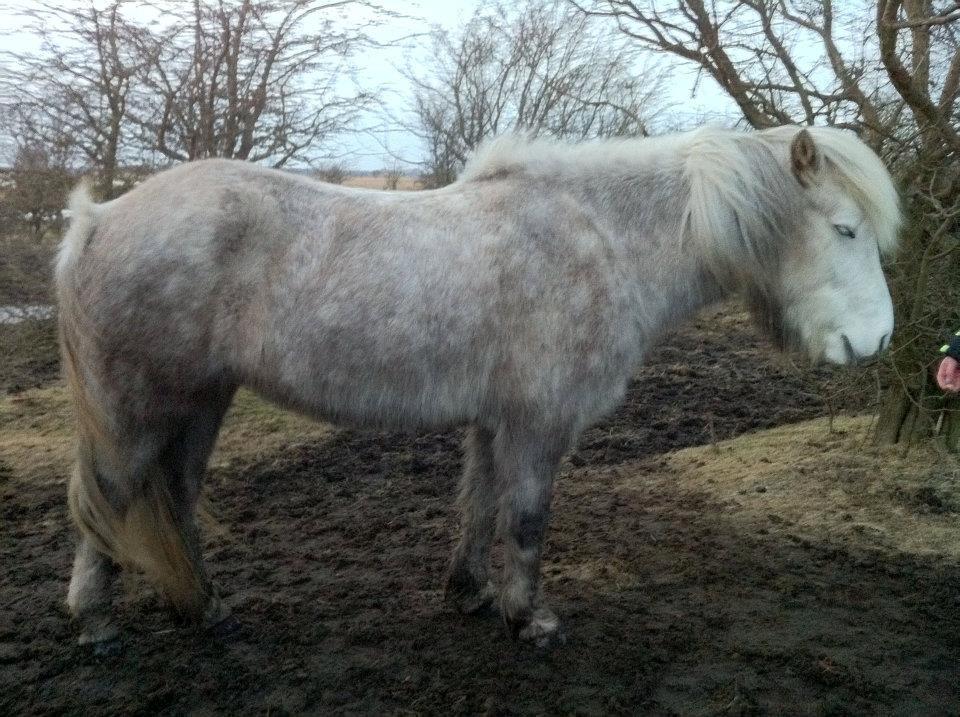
pixel 642 210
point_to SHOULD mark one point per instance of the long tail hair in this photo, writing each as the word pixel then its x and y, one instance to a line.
pixel 118 501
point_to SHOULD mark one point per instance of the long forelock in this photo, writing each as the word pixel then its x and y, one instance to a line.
pixel 861 173
pixel 742 206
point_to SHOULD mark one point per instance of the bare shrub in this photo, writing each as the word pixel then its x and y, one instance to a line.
pixel 392 177
pixel 333 173
pixel 256 80
pixel 537 66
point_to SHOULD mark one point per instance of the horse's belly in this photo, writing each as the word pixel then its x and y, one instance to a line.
pixel 377 404
pixel 386 388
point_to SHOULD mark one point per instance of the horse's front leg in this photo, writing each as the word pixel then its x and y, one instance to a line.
pixel 469 589
pixel 526 465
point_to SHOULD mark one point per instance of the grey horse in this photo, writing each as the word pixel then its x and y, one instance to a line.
pixel 518 301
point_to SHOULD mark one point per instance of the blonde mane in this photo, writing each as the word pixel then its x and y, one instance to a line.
pixel 727 171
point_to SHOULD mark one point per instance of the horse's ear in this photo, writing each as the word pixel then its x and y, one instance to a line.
pixel 804 158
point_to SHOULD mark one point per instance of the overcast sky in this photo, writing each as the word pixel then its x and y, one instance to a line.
pixel 382 138
pixel 683 92
pixel 376 148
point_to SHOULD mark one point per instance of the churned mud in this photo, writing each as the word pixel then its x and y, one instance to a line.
pixel 798 570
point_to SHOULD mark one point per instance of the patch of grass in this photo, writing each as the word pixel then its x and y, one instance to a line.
pixel 36 435
pixel 41 413
pixel 29 356
pixel 815 482
pixel 253 427
pixel 36 432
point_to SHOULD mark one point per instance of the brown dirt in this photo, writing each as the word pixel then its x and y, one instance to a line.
pixel 793 571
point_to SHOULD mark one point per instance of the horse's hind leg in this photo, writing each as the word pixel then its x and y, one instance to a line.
pixel 134 494
pixel 103 481
pixel 526 464
pixel 89 595
pixel 469 589
pixel 186 460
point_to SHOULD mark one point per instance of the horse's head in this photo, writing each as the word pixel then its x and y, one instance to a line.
pixel 830 298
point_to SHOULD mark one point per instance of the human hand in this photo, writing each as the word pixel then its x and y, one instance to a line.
pixel 948 375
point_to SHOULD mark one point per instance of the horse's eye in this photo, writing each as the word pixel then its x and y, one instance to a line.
pixel 844 231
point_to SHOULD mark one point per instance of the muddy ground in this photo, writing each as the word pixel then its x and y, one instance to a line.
pixel 677 600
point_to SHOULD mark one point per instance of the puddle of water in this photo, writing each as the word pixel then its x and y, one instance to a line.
pixel 17 314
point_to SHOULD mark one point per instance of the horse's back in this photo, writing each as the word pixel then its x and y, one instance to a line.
pixel 402 307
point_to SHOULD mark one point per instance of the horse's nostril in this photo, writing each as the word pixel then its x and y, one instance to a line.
pixel 884 343
pixel 852 356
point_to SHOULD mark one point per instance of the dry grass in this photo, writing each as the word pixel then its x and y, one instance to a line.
pixel 28 351
pixel 29 355
pixel 36 431
pixel 36 436
pixel 255 428
pixel 831 483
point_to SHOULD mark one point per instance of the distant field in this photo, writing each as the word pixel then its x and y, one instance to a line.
pixel 379 181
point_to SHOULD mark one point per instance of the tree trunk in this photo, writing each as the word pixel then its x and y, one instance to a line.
pixel 917 413
pixel 108 169
pixel 927 296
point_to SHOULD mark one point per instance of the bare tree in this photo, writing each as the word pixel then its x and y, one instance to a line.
pixel 250 79
pixel 897 82
pixel 920 53
pixel 443 157
pixel 537 67
pixel 750 49
pixel 79 83
pixel 41 156
pixel 39 186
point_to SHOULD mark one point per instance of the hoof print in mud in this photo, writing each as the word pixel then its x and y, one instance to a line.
pixel 227 627
pixel 104 648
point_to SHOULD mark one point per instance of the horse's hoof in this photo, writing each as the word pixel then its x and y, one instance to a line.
pixel 227 627
pixel 541 628
pixel 550 640
pixel 471 602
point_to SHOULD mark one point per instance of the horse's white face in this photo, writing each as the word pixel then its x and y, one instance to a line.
pixel 836 296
